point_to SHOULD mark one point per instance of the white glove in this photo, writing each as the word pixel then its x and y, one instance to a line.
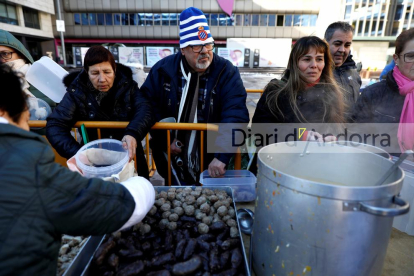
pixel 144 195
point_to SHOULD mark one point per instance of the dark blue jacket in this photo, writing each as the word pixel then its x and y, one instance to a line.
pixel 225 98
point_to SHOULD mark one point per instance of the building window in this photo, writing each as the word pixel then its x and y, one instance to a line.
pixel 117 19
pixel 108 19
pixel 239 20
pixel 148 19
pixel 222 19
pixel 288 20
pixel 101 18
pixel 296 20
pixel 133 19
pixel 173 19
pixel 280 20
pixel 272 20
pixel 214 19
pixel 263 20
pixel 8 14
pixel 165 19
pixel 247 20
pixel 255 20
pixel 92 19
pixel 77 18
pixel 124 19
pixel 313 19
pixel 305 18
pixel 31 18
pixel 207 15
pixel 348 11
pixel 141 19
pixel 157 19
pixel 230 20
pixel 84 17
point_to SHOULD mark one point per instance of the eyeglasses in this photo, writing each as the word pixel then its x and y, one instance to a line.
pixel 199 48
pixel 6 55
pixel 408 57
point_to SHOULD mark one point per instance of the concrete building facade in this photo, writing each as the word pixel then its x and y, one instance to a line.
pixel 31 22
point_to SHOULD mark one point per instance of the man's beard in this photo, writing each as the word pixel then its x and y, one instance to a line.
pixel 203 65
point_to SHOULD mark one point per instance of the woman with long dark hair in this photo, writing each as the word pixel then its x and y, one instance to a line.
pixel 307 92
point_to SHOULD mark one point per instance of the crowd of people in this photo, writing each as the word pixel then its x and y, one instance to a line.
pixel 320 85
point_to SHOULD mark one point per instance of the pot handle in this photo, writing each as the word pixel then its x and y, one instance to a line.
pixel 386 212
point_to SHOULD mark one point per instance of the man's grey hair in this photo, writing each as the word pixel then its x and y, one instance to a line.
pixel 340 25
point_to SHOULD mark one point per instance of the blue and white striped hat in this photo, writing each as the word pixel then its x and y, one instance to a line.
pixel 194 29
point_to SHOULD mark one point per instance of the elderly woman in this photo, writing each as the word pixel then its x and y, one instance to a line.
pixel 102 91
pixel 16 56
pixel 47 200
pixel 392 99
pixel 307 92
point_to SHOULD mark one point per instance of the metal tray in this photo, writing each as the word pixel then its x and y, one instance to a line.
pixel 80 265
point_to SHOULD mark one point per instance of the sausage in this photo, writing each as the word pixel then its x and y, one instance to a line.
pixel 187 268
pixel 189 249
pixel 162 259
pixel 206 237
pixel 224 258
pixel 236 258
pixel 103 251
pixel 217 226
pixel 230 244
pixel 179 250
pixel 159 273
pixel 214 263
pixel 204 246
pixel 113 261
pixel 132 269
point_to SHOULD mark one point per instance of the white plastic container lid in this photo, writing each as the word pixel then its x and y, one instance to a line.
pixel 107 156
pixel 46 75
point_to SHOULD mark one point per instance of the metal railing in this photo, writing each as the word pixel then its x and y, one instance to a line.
pixel 159 126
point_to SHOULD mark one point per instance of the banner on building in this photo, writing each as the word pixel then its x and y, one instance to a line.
pixel 234 55
pixel 131 55
pixel 155 54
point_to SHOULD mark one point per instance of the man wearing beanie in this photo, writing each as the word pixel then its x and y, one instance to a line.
pixel 194 86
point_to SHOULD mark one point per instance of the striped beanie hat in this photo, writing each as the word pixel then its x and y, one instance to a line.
pixel 194 29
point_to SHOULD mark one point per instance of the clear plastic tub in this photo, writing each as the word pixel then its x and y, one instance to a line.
pixel 242 182
pixel 106 157
pixel 39 109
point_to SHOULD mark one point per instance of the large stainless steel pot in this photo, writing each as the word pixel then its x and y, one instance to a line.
pixel 319 213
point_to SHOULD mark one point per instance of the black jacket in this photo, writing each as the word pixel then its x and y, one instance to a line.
pixel 380 103
pixel 40 200
pixel 348 79
pixel 225 100
pixel 125 102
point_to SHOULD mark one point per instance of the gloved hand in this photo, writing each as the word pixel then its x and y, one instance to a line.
pixel 144 195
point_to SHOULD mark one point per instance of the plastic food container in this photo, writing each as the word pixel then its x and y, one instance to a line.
pixel 242 182
pixel 39 109
pixel 46 75
pixel 106 157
